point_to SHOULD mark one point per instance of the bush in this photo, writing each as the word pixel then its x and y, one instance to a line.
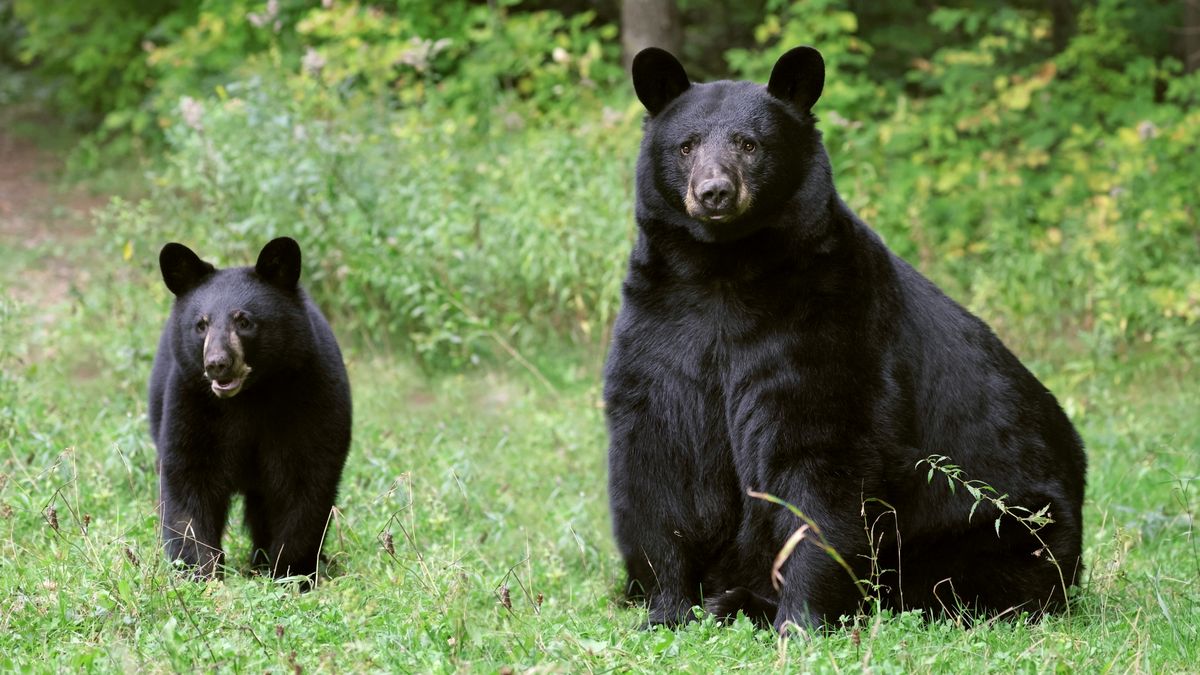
pixel 419 233
pixel 461 180
pixel 121 65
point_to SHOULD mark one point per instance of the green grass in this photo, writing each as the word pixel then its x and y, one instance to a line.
pixel 490 485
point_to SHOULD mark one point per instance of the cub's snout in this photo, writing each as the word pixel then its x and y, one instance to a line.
pixel 224 356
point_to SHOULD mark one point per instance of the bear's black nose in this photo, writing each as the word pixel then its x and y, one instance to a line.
pixel 715 193
pixel 216 366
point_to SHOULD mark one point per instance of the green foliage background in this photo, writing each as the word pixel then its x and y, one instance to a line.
pixel 460 178
pixel 460 174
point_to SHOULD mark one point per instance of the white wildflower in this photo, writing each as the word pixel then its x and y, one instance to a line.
pixel 312 62
pixel 192 112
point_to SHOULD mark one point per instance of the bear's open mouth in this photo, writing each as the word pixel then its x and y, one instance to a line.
pixel 715 216
pixel 721 218
pixel 224 388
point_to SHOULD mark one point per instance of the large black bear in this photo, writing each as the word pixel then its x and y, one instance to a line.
pixel 248 395
pixel 769 341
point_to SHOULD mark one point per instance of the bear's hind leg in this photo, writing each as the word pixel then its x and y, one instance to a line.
pixel 297 526
pixel 260 530
pixel 976 574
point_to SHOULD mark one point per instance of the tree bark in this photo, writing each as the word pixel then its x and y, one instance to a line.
pixel 1063 27
pixel 649 23
pixel 1191 35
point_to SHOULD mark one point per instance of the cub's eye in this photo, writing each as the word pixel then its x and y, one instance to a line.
pixel 749 146
pixel 241 322
pixel 201 325
pixel 686 148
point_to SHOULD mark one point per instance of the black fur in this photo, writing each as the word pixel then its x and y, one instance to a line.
pixel 280 438
pixel 783 348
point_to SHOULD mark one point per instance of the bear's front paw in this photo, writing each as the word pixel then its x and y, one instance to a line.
pixel 725 607
pixel 203 568
pixel 671 614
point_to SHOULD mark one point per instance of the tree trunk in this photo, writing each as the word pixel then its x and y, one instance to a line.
pixel 1063 27
pixel 649 23
pixel 1191 35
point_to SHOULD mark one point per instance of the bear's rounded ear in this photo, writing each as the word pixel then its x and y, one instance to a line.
pixel 798 77
pixel 658 78
pixel 279 263
pixel 182 270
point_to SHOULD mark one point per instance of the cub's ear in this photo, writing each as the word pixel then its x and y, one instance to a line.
pixel 798 77
pixel 279 263
pixel 182 270
pixel 658 78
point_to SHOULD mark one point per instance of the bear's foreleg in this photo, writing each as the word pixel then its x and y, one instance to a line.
pixel 819 469
pixel 193 520
pixel 653 522
pixel 821 577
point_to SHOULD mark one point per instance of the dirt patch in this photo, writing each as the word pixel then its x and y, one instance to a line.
pixel 38 218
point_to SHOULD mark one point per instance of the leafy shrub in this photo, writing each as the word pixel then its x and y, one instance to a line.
pixel 461 178
pixel 479 64
pixel 122 65
pixel 418 233
pixel 11 32
pixel 96 52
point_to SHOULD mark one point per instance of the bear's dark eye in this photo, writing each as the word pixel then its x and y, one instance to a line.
pixel 241 322
pixel 749 146
pixel 201 325
pixel 686 148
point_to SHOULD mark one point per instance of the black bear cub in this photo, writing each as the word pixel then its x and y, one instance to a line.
pixel 768 341
pixel 248 395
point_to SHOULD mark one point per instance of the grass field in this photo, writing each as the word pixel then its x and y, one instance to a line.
pixel 472 532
